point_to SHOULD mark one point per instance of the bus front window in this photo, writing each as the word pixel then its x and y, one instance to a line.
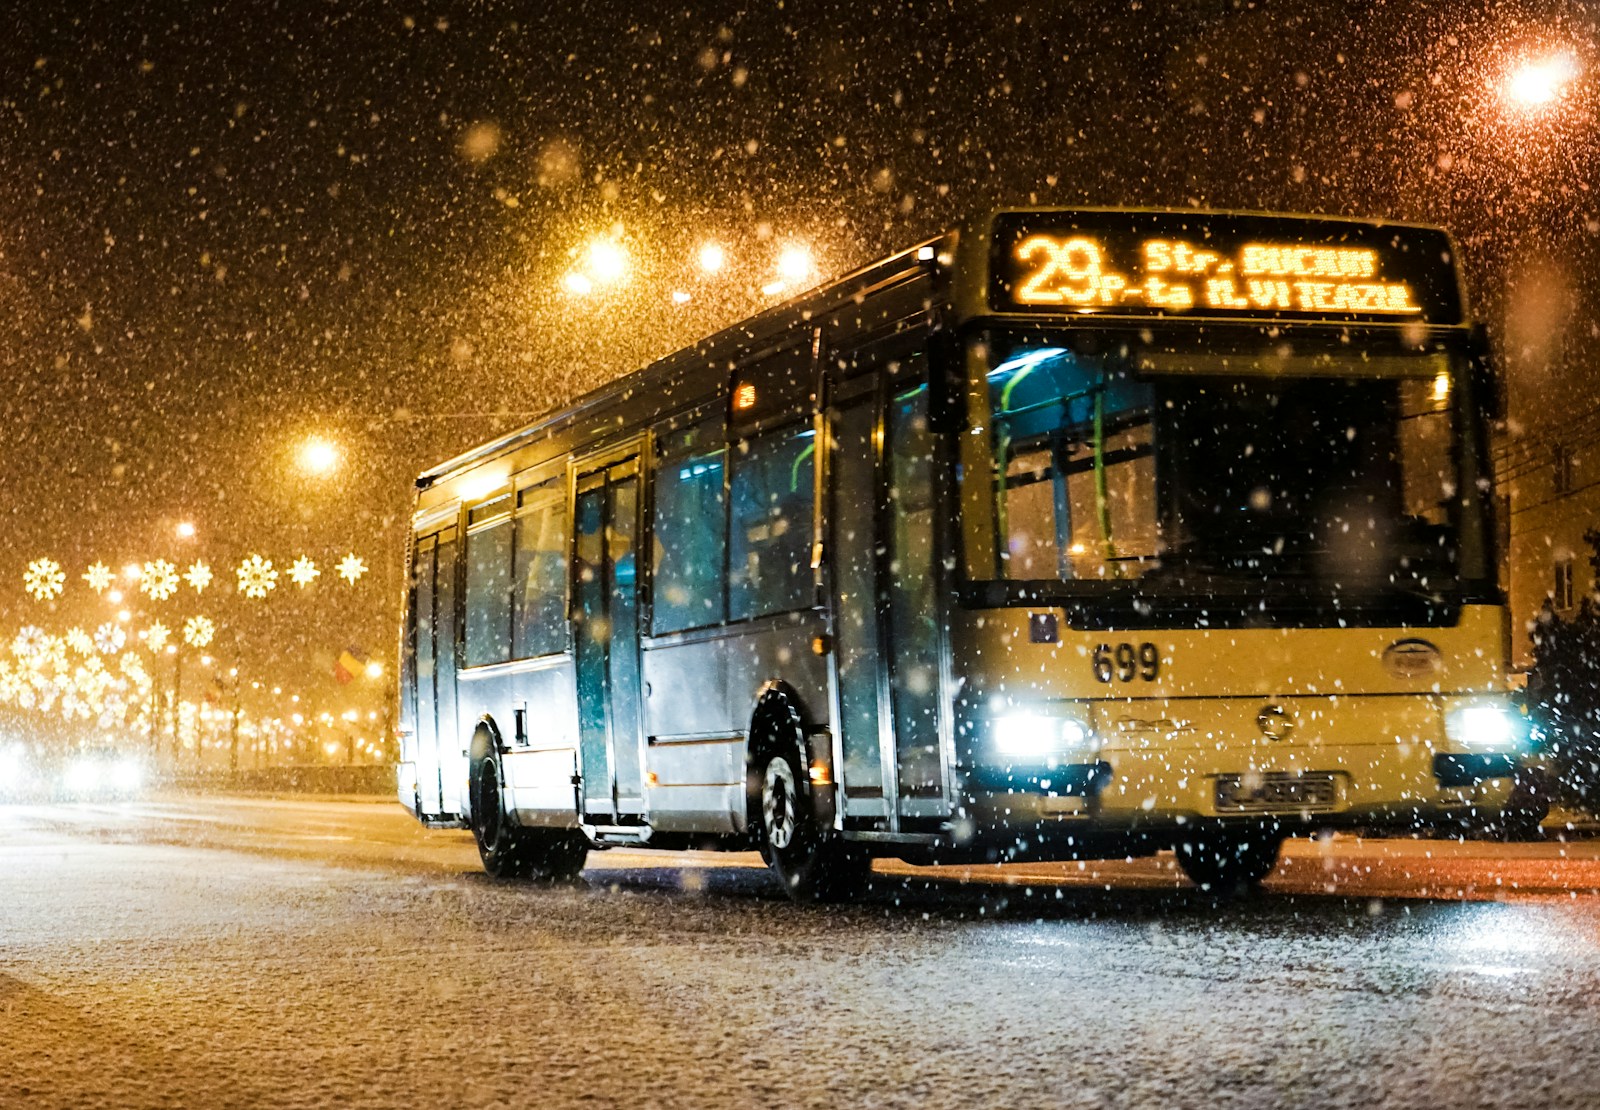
pixel 1198 475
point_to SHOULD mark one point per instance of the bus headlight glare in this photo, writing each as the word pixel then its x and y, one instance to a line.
pixel 1488 728
pixel 1032 736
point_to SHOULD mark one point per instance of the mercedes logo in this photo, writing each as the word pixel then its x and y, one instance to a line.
pixel 1274 722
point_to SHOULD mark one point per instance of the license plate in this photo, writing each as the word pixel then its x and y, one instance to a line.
pixel 1274 791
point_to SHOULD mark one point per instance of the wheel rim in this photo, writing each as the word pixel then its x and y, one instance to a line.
pixel 777 803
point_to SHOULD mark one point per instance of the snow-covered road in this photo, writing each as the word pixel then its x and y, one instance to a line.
pixel 234 952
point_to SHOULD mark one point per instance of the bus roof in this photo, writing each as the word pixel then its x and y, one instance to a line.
pixel 981 289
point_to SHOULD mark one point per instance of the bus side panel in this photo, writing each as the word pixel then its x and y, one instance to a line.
pixel 703 691
pixel 538 771
pixel 698 786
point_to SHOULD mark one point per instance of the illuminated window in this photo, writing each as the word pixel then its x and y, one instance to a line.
pixel 488 616
pixel 539 590
pixel 690 530
pixel 1561 591
pixel 1561 466
pixel 769 543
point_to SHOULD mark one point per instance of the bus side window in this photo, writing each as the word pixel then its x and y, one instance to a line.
pixel 769 548
pixel 690 529
pixel 488 551
pixel 539 577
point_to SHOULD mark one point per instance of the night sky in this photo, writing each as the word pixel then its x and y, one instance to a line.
pixel 224 228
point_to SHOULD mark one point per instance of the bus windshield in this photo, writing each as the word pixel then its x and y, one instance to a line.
pixel 1326 477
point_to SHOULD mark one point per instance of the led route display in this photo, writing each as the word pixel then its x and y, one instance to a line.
pixel 1217 264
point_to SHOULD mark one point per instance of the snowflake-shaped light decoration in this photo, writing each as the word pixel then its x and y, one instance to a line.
pixel 156 636
pixel 351 568
pixel 303 571
pixel 257 577
pixel 109 638
pixel 132 666
pixel 99 576
pixel 198 631
pixel 198 575
pixel 30 642
pixel 159 579
pixel 44 579
pixel 79 641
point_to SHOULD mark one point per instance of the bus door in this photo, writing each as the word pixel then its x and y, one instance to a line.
pixel 441 751
pixel 887 632
pixel 605 602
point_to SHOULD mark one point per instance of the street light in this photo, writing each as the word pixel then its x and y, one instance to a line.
pixel 1538 82
pixel 318 456
pixel 712 258
pixel 795 264
pixel 608 262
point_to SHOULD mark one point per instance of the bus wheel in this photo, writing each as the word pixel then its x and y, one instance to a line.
pixel 1225 863
pixel 813 862
pixel 510 851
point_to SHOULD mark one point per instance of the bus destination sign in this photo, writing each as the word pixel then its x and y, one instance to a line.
pixel 1201 264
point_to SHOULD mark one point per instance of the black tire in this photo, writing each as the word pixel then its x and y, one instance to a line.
pixel 813 863
pixel 511 851
pixel 1228 863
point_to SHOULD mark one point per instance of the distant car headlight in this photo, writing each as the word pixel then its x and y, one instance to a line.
pixel 1486 727
pixel 84 774
pixel 125 774
pixel 1032 737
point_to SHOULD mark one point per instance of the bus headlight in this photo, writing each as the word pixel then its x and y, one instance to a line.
pixel 1486 727
pixel 1040 737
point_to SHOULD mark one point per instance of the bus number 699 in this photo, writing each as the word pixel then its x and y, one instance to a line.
pixel 1124 662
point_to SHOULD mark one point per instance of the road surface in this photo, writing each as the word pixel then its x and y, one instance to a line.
pixel 329 953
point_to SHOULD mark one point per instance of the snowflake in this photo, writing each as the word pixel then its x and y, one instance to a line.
pixel 256 577
pixel 44 579
pixel 108 638
pixel 156 636
pixel 198 576
pixel 303 571
pixel 80 641
pixel 350 568
pixel 99 577
pixel 198 631
pixel 159 579
pixel 132 666
pixel 30 642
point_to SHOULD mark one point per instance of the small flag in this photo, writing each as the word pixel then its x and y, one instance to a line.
pixel 352 662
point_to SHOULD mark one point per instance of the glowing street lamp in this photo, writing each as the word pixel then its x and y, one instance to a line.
pixel 712 258
pixel 608 262
pixel 795 264
pixel 1538 82
pixel 318 456
pixel 186 530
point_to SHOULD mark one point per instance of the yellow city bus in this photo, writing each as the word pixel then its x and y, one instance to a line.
pixel 1070 533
